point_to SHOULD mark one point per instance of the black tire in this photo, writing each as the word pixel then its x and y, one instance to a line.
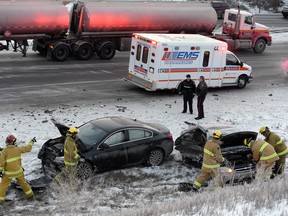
pixel 242 82
pixel 61 53
pixel 107 51
pixel 155 157
pixel 260 46
pixel 84 170
pixel 84 52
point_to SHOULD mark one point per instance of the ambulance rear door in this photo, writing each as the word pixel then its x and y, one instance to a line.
pixel 140 62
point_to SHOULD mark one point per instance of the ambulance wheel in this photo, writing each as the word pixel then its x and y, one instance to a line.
pixel 242 81
pixel 260 46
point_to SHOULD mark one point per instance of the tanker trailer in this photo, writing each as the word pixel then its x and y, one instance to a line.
pixel 21 21
pixel 105 27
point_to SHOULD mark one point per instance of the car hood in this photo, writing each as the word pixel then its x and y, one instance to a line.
pixel 62 128
pixel 207 131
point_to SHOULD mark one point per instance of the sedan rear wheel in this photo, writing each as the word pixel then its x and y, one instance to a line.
pixel 155 157
pixel 84 170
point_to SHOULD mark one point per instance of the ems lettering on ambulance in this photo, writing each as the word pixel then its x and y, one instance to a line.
pixel 140 70
pixel 180 57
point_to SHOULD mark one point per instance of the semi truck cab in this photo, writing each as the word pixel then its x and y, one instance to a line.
pixel 240 31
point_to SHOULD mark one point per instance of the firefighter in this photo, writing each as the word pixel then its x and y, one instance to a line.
pixel 71 156
pixel 187 88
pixel 265 156
pixel 11 168
pixel 212 158
pixel 280 147
pixel 201 92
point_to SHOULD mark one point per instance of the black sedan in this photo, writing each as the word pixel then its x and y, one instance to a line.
pixel 109 143
pixel 192 141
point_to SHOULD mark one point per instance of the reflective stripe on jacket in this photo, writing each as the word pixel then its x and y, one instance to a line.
pixel 278 143
pixel 212 156
pixel 70 152
pixel 10 159
pixel 263 151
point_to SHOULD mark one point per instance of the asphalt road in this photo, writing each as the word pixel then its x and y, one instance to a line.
pixel 272 20
pixel 37 81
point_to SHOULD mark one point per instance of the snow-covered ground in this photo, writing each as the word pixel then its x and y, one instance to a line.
pixel 151 190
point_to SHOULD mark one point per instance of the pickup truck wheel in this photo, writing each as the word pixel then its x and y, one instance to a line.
pixel 84 170
pixel 60 53
pixel 84 52
pixel 260 46
pixel 155 157
pixel 242 81
pixel 107 51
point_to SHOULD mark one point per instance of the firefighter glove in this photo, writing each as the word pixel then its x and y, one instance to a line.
pixel 34 140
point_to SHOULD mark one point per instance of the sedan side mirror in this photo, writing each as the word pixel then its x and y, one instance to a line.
pixel 104 146
pixel 241 63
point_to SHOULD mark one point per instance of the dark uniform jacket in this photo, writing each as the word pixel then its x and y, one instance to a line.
pixel 202 89
pixel 187 87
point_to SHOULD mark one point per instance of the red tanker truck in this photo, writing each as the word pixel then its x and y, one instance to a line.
pixel 80 29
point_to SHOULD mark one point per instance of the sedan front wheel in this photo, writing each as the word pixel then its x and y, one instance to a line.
pixel 155 157
pixel 84 170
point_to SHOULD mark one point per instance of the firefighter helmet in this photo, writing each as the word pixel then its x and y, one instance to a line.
pixel 263 129
pixel 217 134
pixel 73 131
pixel 11 139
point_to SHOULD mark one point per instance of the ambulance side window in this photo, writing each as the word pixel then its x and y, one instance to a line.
pixel 145 55
pixel 231 60
pixel 206 59
pixel 139 49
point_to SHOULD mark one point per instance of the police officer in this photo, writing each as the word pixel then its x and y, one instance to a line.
pixel 187 88
pixel 201 92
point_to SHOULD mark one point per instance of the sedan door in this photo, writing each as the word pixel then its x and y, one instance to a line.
pixel 111 153
pixel 139 141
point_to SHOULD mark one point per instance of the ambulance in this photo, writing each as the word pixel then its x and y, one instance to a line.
pixel 162 61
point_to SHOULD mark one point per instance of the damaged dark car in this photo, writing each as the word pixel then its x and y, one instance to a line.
pixel 191 144
pixel 109 143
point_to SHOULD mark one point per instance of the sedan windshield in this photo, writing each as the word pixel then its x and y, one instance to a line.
pixel 90 134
